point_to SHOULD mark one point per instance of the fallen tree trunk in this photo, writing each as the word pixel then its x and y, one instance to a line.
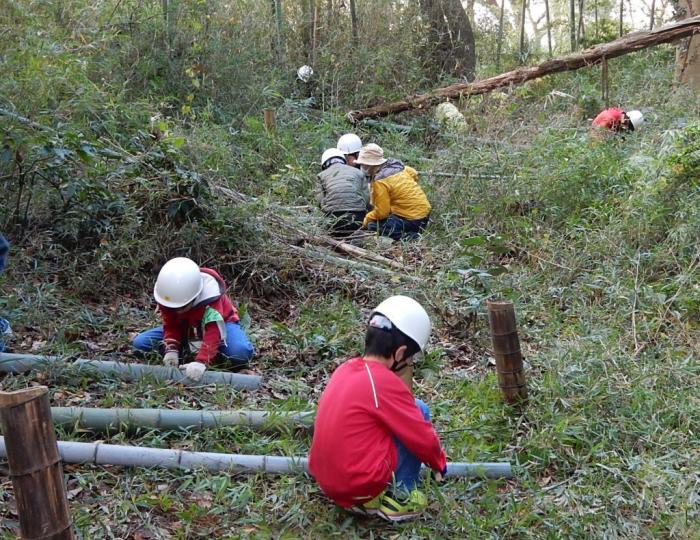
pixel 19 363
pixel 134 456
pixel 164 419
pixel 588 57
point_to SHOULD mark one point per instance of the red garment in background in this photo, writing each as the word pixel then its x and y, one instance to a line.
pixel 610 119
pixel 353 454
pixel 176 326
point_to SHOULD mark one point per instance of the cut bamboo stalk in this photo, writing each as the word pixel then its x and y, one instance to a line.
pixel 19 363
pixel 165 419
pixel 270 119
pixel 506 349
pixel 35 465
pixel 133 456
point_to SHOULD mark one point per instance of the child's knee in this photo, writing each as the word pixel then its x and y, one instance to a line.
pixel 240 352
pixel 142 343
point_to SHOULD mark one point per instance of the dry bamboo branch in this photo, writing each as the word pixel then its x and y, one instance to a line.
pixel 625 45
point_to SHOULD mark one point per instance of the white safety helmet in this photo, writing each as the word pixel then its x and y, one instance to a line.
pixel 332 153
pixel 349 144
pixel 636 119
pixel 179 282
pixel 305 72
pixel 408 316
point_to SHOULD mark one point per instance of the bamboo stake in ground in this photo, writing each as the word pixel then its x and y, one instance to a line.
pixel 35 465
pixel 270 120
pixel 625 45
pixel 506 349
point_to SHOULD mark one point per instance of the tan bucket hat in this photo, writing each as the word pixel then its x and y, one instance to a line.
pixel 371 154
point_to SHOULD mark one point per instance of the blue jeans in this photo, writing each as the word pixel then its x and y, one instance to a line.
pixel 237 349
pixel 407 473
pixel 398 228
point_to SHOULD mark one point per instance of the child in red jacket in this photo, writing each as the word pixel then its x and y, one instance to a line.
pixel 370 435
pixel 191 298
pixel 615 119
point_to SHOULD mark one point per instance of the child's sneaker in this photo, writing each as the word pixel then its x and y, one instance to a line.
pixel 370 508
pixel 396 508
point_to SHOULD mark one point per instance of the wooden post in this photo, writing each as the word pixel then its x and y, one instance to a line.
pixel 506 349
pixel 35 465
pixel 270 120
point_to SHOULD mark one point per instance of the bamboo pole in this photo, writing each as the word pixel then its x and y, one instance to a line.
pixel 630 43
pixel 35 466
pixel 98 453
pixel 605 86
pixel 18 363
pixel 506 349
pixel 165 419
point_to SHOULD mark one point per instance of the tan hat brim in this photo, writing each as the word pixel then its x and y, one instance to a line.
pixel 370 161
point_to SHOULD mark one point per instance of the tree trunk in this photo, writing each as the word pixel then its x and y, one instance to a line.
pixel 451 38
pixel 353 22
pixel 522 32
pixel 580 31
pixel 279 23
pixel 688 55
pixel 651 15
pixel 549 28
pixel 622 12
pixel 593 55
pixel 572 23
pixel 500 35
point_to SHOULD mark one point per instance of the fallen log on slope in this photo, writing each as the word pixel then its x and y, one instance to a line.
pixel 19 363
pixel 588 57
pixel 134 456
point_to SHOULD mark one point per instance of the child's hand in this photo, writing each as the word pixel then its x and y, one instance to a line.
pixel 439 476
pixel 194 370
pixel 171 359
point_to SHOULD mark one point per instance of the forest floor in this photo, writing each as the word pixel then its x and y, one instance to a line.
pixel 594 242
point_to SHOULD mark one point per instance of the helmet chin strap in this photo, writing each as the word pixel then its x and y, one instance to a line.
pixel 398 365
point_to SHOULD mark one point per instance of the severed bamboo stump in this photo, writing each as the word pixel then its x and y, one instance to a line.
pixel 35 465
pixel 269 117
pixel 506 349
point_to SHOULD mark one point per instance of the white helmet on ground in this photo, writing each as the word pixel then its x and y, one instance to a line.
pixel 330 154
pixel 349 144
pixel 305 72
pixel 179 282
pixel 408 316
pixel 636 119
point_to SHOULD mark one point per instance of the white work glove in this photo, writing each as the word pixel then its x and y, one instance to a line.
pixel 171 359
pixel 194 370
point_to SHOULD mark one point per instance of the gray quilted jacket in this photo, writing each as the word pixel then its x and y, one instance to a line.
pixel 342 189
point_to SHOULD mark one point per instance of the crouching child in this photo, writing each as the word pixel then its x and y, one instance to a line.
pixel 370 435
pixel 193 304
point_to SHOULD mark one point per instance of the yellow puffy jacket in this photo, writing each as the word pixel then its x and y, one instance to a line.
pixel 398 194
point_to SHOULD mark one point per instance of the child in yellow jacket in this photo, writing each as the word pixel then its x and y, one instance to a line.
pixel 401 209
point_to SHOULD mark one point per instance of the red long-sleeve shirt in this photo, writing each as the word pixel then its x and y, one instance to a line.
pixel 176 326
pixel 353 455
pixel 609 119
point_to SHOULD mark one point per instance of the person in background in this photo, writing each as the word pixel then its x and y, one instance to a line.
pixel 193 301
pixel 617 120
pixel 350 145
pixel 343 193
pixel 400 208
pixel 370 434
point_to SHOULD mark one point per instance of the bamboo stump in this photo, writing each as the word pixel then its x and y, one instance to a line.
pixel 506 349
pixel 35 465
pixel 270 120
